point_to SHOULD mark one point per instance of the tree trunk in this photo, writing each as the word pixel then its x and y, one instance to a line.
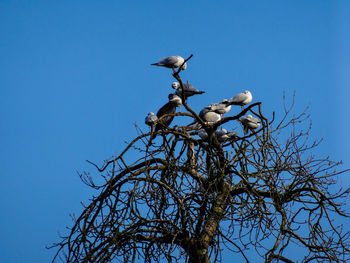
pixel 198 251
pixel 199 255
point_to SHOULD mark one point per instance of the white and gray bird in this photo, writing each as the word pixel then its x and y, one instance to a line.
pixel 249 123
pixel 151 119
pixel 224 135
pixel 241 99
pixel 189 90
pixel 221 107
pixel 209 116
pixel 171 62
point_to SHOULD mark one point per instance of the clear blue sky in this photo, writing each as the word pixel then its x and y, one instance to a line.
pixel 76 75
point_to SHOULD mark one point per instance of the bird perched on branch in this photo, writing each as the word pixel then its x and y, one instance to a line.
pixel 172 62
pixel 168 108
pixel 189 90
pixel 212 113
pixel 249 123
pixel 241 99
pixel 209 116
pixel 224 135
pixel 221 107
pixel 151 119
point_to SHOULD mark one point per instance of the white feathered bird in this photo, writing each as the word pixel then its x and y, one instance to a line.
pixel 151 119
pixel 249 123
pixel 241 99
pixel 209 116
pixel 221 107
pixel 171 62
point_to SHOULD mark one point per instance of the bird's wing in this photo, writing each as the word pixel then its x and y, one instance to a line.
pixel 255 120
pixel 239 98
pixel 203 112
pixel 166 108
pixel 166 62
pixel 189 87
pixel 169 61
pixel 212 117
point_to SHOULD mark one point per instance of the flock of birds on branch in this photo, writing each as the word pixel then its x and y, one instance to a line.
pixel 210 115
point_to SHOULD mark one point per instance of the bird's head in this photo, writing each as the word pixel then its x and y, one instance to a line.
pixel 175 99
pixel 175 85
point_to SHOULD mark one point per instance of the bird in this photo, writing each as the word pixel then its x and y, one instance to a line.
pixel 249 123
pixel 224 135
pixel 209 116
pixel 151 119
pixel 189 90
pixel 241 99
pixel 172 62
pixel 176 99
pixel 202 134
pixel 167 108
pixel 221 107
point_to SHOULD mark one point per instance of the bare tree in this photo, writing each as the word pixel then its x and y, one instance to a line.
pixel 180 198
